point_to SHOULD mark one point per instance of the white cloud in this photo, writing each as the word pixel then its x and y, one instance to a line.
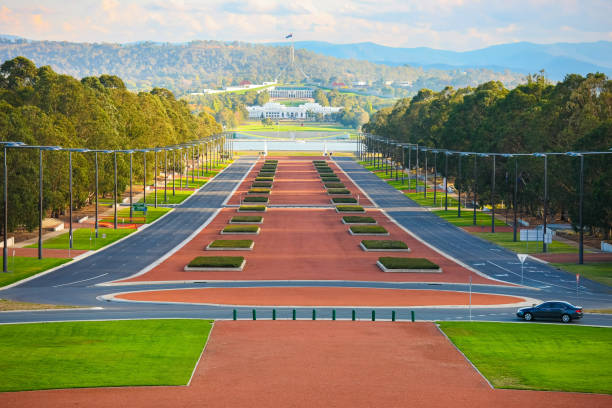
pixel 445 24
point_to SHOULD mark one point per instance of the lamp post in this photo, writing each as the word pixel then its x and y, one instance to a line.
pixel 580 202
pixel 435 174
pixel 458 181
pixel 96 186
pixel 493 196
pixel 173 172
pixel 70 234
pixel 165 175
pixel 475 187
pixel 155 176
pixel 545 196
pixel 6 145
pixel 446 154
pixel 425 189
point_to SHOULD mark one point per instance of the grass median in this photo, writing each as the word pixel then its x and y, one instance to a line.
pixel 504 239
pixel 537 356
pixel 598 271
pixel 21 267
pixel 100 354
pixel 84 238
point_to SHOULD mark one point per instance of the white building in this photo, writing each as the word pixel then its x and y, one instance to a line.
pixel 290 92
pixel 275 110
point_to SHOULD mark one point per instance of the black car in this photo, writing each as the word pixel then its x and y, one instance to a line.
pixel 551 310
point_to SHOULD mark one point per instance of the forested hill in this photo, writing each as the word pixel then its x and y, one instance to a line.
pixel 190 67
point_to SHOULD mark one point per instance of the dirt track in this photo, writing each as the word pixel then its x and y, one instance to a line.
pixel 319 364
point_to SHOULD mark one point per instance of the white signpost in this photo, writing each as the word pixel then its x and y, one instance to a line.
pixel 522 258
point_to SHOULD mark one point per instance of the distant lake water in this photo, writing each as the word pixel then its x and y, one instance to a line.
pixel 332 146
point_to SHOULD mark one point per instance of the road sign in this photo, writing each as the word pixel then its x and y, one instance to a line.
pixel 522 257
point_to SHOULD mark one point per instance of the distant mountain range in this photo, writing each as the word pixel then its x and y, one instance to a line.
pixel 556 59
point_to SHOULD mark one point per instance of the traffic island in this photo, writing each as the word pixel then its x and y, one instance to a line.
pixel 258 190
pixel 231 245
pixel 414 265
pixel 246 219
pixel 367 230
pixel 344 200
pixel 339 191
pixel 383 246
pixel 353 219
pixel 216 263
pixel 350 209
pixel 255 199
pixel 252 208
pixel 241 229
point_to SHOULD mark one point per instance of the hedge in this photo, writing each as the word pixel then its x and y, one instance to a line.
pixel 407 263
pixel 368 229
pixel 252 208
pixel 255 199
pixel 259 191
pixel 216 262
pixel 271 161
pixel 345 208
pixel 319 161
pixel 259 178
pixel 333 179
pixel 383 244
pixel 247 218
pixel 338 191
pixel 261 184
pixel 334 185
pixel 241 228
pixel 355 219
pixel 231 243
pixel 266 174
pixel 344 200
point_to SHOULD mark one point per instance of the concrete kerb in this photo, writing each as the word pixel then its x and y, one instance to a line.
pixel 212 326
pixel 191 236
pixel 464 356
pixel 89 253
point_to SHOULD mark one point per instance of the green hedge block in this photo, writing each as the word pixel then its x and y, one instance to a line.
pixel 261 184
pixel 355 219
pixel 216 262
pixel 246 218
pixel 241 228
pixel 344 200
pixel 349 208
pixel 383 244
pixel 407 263
pixel 255 199
pixel 338 191
pixel 231 243
pixel 368 229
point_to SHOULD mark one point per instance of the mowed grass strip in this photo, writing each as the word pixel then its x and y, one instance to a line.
pixel 85 238
pixel 505 239
pixel 537 356
pixel 598 271
pixel 21 267
pixel 100 354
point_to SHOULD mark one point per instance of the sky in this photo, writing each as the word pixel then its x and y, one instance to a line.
pixel 443 24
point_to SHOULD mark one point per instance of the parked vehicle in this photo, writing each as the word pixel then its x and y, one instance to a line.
pixel 551 310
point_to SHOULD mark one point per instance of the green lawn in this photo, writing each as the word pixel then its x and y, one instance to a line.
pixel 152 214
pixel 537 356
pixel 429 202
pixel 21 267
pixel 598 271
pixel 196 183
pixel 504 239
pixel 100 354
pixel 179 197
pixel 467 218
pixel 84 238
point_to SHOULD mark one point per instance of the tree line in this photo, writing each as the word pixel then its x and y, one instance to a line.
pixel 572 115
pixel 41 107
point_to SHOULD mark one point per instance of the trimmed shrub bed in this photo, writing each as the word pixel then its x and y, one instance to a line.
pixel 344 200
pixel 259 208
pixel 319 161
pixel 338 191
pixel 368 229
pixel 261 184
pixel 266 174
pixel 255 199
pixel 270 161
pixel 246 218
pixel 240 229
pixel 332 179
pixel 231 244
pixel 354 219
pixel 268 167
pixel 392 264
pixel 216 262
pixel 260 178
pixel 349 208
pixel 259 191
pixel 384 244
pixel 334 185
pixel 325 171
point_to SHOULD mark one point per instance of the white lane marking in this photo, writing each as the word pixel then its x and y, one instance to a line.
pixel 79 281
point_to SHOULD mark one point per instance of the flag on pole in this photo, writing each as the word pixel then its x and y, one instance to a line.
pixel 289 36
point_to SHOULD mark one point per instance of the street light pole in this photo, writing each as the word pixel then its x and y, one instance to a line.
pixel 70 210
pixel 515 224
pixel 475 187
pixel 165 175
pixel 131 190
pixel 5 221
pixel 457 183
pixel 115 191
pixel 155 176
pixel 581 226
pixel 493 197
pixel 96 193
pixel 425 189
pixel 173 172
pixel 435 174
pixel 446 181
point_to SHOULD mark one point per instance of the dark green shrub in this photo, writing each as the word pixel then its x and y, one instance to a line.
pixel 252 208
pixel 368 229
pixel 407 263
pixel 216 262
pixel 259 191
pixel 334 185
pixel 241 228
pixel 338 191
pixel 246 218
pixel 355 219
pixel 383 244
pixel 344 200
pixel 261 184
pixel 258 178
pixel 351 208
pixel 255 199
pixel 231 243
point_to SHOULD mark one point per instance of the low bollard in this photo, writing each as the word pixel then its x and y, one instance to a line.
pixel 373 315
pixel 273 314
pixel 353 315
pixel 254 314
pixel 412 315
pixel 234 314
pixel 333 314
pixel 294 313
pixel 393 315
pixel 314 314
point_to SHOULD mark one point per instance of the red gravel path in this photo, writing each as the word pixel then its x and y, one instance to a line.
pixel 319 296
pixel 306 244
pixel 319 364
